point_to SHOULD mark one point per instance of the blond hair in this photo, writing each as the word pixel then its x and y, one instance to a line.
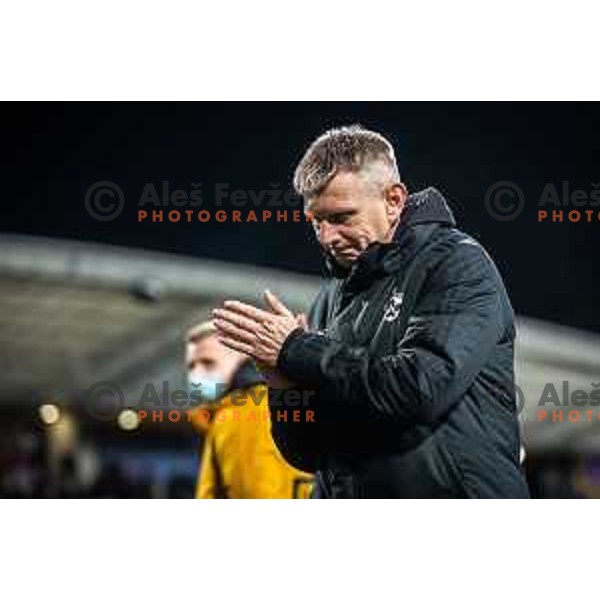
pixel 198 332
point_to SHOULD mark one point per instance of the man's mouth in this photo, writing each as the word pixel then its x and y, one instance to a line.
pixel 344 255
pixel 343 251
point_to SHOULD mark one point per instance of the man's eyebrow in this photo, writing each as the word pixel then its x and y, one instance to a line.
pixel 321 214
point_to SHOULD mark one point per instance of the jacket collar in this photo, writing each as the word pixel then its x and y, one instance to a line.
pixel 247 376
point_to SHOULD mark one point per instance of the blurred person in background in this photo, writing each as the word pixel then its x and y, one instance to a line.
pixel 239 458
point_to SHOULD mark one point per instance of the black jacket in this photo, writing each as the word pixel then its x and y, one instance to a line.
pixel 410 355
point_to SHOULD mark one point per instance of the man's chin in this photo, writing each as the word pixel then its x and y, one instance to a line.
pixel 345 260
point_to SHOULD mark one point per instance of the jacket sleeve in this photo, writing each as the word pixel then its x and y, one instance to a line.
pixel 299 441
pixel 462 313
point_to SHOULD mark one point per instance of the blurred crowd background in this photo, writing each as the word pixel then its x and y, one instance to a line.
pixel 86 301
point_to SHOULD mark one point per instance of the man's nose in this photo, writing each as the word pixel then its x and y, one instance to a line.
pixel 327 234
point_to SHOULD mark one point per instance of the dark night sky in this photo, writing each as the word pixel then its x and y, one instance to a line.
pixel 52 153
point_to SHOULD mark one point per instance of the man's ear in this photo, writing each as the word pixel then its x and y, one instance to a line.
pixel 395 197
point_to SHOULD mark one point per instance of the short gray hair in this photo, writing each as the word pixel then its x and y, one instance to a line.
pixel 349 148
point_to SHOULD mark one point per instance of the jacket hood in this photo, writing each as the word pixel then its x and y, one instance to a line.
pixel 426 207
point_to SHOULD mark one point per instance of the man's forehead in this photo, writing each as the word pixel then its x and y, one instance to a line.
pixel 343 192
pixel 325 204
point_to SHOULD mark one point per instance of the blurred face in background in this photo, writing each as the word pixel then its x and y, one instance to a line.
pixel 354 210
pixel 211 367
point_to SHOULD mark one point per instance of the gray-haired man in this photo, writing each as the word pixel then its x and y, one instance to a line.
pixel 409 344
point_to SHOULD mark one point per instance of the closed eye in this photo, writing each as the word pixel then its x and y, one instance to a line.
pixel 339 218
pixel 334 218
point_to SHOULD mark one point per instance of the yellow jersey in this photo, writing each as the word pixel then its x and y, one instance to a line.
pixel 239 457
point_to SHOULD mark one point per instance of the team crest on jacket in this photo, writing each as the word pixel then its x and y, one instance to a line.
pixel 392 308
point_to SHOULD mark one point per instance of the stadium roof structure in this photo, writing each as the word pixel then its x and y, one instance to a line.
pixel 73 314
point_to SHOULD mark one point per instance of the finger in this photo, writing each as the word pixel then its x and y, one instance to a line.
pixel 230 316
pixel 236 345
pixel 247 310
pixel 230 330
pixel 302 320
pixel 276 305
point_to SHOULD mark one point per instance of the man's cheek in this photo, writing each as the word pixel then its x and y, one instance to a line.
pixel 363 240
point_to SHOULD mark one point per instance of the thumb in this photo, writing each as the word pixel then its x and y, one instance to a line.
pixel 302 321
pixel 276 305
